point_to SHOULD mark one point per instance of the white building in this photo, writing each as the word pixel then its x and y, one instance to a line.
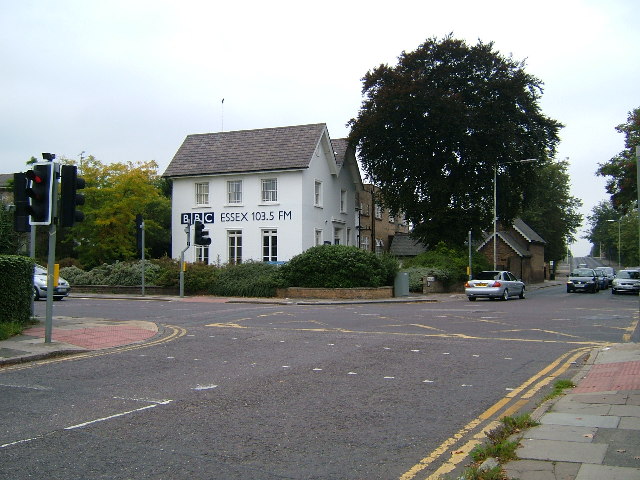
pixel 263 195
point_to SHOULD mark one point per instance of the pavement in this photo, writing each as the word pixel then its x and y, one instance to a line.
pixel 590 433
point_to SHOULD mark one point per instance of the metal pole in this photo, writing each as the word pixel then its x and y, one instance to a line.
pixel 187 230
pixel 142 243
pixel 638 189
pixel 48 324
pixel 619 244
pixel 495 214
pixel 470 268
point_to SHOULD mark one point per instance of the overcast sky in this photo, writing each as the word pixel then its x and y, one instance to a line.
pixel 128 80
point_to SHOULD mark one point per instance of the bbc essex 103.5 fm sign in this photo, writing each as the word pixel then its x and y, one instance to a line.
pixel 236 217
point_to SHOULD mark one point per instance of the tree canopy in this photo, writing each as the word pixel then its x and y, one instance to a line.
pixel 551 210
pixel 431 130
pixel 115 193
pixel 622 169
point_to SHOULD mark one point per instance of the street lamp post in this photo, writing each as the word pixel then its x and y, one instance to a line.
pixel 495 204
pixel 619 238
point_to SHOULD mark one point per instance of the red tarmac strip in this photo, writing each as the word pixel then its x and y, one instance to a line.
pixel 96 338
pixel 611 377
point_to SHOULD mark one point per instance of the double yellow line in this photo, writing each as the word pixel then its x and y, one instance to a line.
pixel 490 419
pixel 175 332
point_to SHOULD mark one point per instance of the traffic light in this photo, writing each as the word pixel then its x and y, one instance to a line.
pixel 70 198
pixel 39 186
pixel 201 237
pixel 21 201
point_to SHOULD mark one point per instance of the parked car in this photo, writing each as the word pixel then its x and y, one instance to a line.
pixel 603 279
pixel 626 281
pixel 40 285
pixel 494 284
pixel 611 274
pixel 583 280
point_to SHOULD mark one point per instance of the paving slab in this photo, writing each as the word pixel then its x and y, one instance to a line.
pixel 560 451
pixel 604 472
pixel 582 408
pixel 579 420
pixel 630 423
pixel 565 433
pixel 625 410
pixel 608 399
pixel 539 470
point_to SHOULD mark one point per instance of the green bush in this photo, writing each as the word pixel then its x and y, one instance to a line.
pixel 339 266
pixel 16 284
pixel 199 278
pixel 119 273
pixel 251 279
pixel 448 264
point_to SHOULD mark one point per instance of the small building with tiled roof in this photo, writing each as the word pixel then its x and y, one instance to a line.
pixel 263 195
pixel 519 249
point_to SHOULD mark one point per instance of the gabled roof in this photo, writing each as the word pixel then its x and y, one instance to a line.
pixel 244 151
pixel 516 243
pixel 402 245
pixel 527 232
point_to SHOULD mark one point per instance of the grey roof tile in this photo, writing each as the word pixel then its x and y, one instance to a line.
pixel 281 148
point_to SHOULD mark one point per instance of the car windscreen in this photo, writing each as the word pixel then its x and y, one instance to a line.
pixel 488 276
pixel 582 272
pixel 629 274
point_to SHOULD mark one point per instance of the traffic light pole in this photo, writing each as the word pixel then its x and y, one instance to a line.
pixel 187 230
pixel 48 325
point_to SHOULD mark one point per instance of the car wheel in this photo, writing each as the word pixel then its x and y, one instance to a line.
pixel 522 296
pixel 505 295
pixel 58 298
pixel 569 290
pixel 472 299
pixel 613 291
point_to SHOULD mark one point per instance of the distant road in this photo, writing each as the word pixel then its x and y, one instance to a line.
pixel 591 262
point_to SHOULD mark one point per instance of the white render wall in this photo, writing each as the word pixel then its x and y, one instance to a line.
pixel 294 215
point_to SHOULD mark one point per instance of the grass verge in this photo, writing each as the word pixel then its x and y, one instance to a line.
pixel 10 329
pixel 558 389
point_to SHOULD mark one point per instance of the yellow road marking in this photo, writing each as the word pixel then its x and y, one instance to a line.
pixel 491 412
pixel 176 332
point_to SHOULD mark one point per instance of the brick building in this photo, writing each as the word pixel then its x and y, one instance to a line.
pixel 519 250
pixel 377 225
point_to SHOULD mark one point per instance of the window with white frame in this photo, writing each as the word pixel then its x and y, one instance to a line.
pixel 202 254
pixel 364 243
pixel 234 243
pixel 234 191
pixel 269 189
pixel 318 236
pixel 269 245
pixel 379 246
pixel 392 219
pixel 317 199
pixel 343 201
pixel 202 193
pixel 378 211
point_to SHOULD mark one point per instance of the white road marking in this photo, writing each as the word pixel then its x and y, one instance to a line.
pixel 117 415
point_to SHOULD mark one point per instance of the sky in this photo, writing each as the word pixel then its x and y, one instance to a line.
pixel 129 80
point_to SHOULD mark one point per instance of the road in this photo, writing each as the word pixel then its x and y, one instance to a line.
pixel 234 391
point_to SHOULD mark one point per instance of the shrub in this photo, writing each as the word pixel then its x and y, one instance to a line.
pixel 199 278
pixel 16 284
pixel 448 264
pixel 251 279
pixel 339 266
pixel 119 273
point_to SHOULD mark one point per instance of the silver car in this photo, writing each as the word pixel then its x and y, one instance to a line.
pixel 626 281
pixel 494 284
pixel 40 285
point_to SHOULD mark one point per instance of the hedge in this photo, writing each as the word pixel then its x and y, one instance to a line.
pixel 16 284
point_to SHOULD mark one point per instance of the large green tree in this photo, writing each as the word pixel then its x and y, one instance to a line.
pixel 115 193
pixel 551 211
pixel 432 129
pixel 614 234
pixel 622 169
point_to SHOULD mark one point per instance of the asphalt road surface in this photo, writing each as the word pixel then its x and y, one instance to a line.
pixel 247 391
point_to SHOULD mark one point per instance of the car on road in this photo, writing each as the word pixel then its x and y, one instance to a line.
pixel 583 280
pixel 611 273
pixel 40 285
pixel 494 284
pixel 626 281
pixel 603 279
